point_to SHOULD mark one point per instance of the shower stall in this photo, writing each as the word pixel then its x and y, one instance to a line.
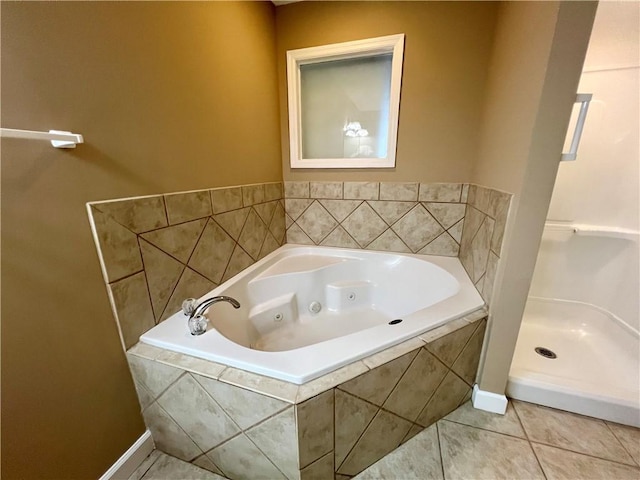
pixel 578 347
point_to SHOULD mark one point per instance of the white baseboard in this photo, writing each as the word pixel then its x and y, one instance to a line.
pixel 131 459
pixel 488 401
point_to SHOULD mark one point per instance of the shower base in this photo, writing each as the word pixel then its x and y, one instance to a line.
pixel 596 371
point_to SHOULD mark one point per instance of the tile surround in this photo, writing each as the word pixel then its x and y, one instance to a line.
pixel 450 219
pixel 245 425
pixel 158 250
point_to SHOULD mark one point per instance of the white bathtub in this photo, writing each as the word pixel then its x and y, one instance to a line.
pixel 274 333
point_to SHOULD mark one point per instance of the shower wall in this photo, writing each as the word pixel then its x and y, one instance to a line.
pixel 600 189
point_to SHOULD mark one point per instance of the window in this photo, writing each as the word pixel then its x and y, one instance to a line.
pixel 343 103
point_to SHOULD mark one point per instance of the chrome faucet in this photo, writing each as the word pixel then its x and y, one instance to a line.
pixel 195 311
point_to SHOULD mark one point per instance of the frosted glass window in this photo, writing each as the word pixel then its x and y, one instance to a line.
pixel 343 103
pixel 345 108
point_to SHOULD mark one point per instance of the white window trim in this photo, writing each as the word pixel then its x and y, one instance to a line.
pixel 393 44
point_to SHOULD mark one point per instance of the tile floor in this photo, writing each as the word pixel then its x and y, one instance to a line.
pixel 528 442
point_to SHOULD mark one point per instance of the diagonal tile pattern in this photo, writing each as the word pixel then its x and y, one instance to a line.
pixel 159 250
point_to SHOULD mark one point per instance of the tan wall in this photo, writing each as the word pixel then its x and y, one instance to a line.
pixel 169 97
pixel 535 69
pixel 447 49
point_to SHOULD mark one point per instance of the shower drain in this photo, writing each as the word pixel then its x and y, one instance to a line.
pixel 545 352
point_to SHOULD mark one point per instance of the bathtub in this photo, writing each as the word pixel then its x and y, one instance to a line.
pixel 306 311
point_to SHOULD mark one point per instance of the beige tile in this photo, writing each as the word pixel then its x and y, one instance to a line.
pixel 392 353
pixel 340 209
pixel 339 238
pixel 417 228
pixel 316 222
pixel 205 462
pixel 570 431
pixel 118 246
pixel 413 431
pixel 321 469
pixel 245 407
pixel 277 225
pixel 447 214
pixel 440 192
pixel 352 416
pixel 145 397
pixel 489 277
pixel 197 414
pixel 456 231
pixel 448 347
pixel 338 476
pixel 399 191
pixel 469 452
pixel 416 386
pixel 287 221
pixel 238 262
pixel 240 458
pixel 294 207
pixel 500 211
pixel 315 425
pixel 252 235
pixel 507 423
pixel 145 465
pixel 480 314
pixel 361 190
pixel 296 235
pixel 418 459
pixel 465 193
pixel 325 190
pixel 391 212
pixel 265 211
pixel 191 364
pixel 443 245
pixel 482 197
pixel 156 377
pixel 629 437
pixel 272 191
pixel 382 436
pixel 480 248
pixel 466 365
pixel 225 199
pixel 472 221
pixel 145 351
pixel 263 385
pixel 133 308
pixel 276 438
pixel 166 467
pixel 330 380
pixel 388 241
pixel 376 385
pixel 498 203
pixel 447 397
pixel 364 225
pixel 168 436
pixel 212 253
pixel 563 465
pixel 162 273
pixel 190 285
pixel 270 244
pixel 178 240
pixel 252 194
pixel 233 221
pixel 296 189
pixel 137 214
pixel 183 207
pixel 446 329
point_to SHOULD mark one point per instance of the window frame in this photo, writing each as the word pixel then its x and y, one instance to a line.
pixel 370 47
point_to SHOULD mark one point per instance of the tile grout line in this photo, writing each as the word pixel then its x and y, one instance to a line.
pixel 526 434
pixel 440 449
pixel 620 442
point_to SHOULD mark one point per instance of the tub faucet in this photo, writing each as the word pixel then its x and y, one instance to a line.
pixel 195 311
